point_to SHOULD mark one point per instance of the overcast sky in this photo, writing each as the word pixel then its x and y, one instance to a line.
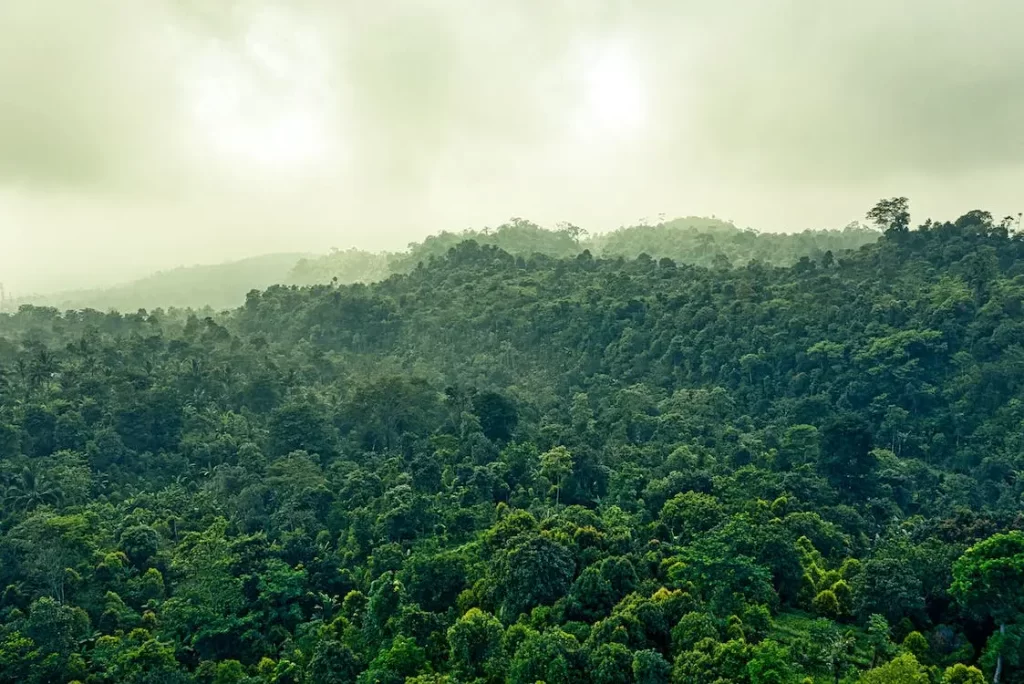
pixel 143 134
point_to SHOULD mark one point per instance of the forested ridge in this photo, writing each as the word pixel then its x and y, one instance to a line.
pixel 693 240
pixel 524 467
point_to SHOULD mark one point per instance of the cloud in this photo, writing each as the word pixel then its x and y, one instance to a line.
pixel 234 127
pixel 83 96
pixel 855 91
pixel 111 93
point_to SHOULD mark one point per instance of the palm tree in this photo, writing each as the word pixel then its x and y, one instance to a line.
pixel 27 491
pixel 42 368
pixel 22 369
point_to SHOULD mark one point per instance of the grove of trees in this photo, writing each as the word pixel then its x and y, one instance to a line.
pixel 499 465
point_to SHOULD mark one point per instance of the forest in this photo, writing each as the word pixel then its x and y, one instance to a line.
pixel 691 240
pixel 620 460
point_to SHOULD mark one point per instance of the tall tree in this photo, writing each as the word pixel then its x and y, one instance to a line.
pixel 891 215
pixel 988 580
pixel 556 465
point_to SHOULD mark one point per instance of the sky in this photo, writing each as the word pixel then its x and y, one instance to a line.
pixel 144 134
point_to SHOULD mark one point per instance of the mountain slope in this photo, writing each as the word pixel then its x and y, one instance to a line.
pixel 507 468
pixel 219 286
pixel 691 240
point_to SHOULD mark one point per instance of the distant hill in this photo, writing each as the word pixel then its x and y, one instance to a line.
pixel 517 237
pixel 707 242
pixel 691 240
pixel 218 286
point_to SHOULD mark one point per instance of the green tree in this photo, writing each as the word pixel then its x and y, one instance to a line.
pixel 891 215
pixel 987 579
pixel 826 604
pixel 536 571
pixel 333 663
pixel 888 587
pixel 846 455
pixel 29 491
pixel 962 674
pixel 498 415
pixel 902 670
pixel 140 543
pixel 301 427
pixel 393 665
pixel 136 659
pixel 610 664
pixel 771 663
pixel 476 647
pixel 383 604
pixel 691 514
pixel 205 612
pixel 828 648
pixel 692 628
pixel 879 638
pixel 19 658
pixel 799 443
pixel 710 661
pixel 650 667
pixel 552 657
pixel 915 644
pixel 56 629
pixel 556 466
pixel 591 596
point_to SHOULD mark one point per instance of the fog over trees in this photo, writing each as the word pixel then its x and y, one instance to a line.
pixel 561 342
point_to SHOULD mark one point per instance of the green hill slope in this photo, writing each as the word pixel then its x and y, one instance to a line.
pixel 219 286
pixel 507 468
pixel 691 240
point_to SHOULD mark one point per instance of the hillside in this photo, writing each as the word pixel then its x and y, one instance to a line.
pixel 218 286
pixel 707 242
pixel 500 467
pixel 690 240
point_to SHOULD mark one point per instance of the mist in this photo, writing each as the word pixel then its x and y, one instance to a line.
pixel 145 134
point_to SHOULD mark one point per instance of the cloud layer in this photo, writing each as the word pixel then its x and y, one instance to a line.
pixel 144 133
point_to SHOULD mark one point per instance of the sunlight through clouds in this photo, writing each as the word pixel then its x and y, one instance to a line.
pixel 264 107
pixel 615 98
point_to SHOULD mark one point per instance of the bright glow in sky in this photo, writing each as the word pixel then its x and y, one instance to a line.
pixel 138 135
pixel 615 98
pixel 263 110
pixel 281 138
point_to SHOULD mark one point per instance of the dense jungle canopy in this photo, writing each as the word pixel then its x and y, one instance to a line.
pixel 593 463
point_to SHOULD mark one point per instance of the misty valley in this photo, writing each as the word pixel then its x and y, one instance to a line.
pixel 672 453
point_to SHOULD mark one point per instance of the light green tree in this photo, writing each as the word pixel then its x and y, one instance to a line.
pixel 556 465
pixel 901 670
pixel 962 674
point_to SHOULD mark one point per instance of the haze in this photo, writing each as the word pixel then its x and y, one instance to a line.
pixel 143 134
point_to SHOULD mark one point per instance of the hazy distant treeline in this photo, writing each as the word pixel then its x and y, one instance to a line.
pixel 691 240
pixel 219 286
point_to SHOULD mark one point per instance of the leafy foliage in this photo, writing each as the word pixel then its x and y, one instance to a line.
pixel 523 461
